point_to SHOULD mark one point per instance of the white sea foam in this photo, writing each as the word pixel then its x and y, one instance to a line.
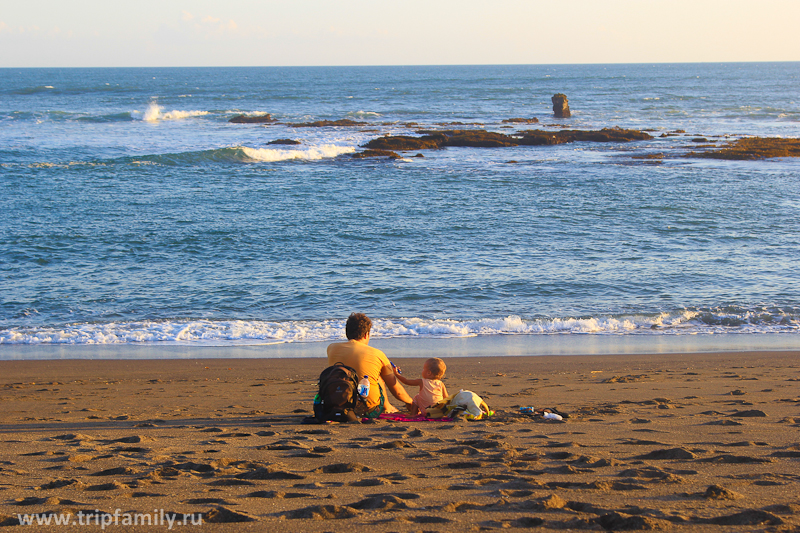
pixel 270 155
pixel 363 114
pixel 243 332
pixel 247 114
pixel 154 113
pixel 175 115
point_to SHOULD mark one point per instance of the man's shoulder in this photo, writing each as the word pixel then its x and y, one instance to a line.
pixel 377 352
pixel 359 350
pixel 365 350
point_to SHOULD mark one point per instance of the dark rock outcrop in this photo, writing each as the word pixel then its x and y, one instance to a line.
pixel 472 138
pixel 252 119
pixel 405 142
pixel 488 139
pixel 533 120
pixel 284 141
pixel 376 153
pixel 751 148
pixel 560 106
pixel 541 137
pixel 327 123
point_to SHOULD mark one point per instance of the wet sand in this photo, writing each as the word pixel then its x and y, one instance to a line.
pixel 684 442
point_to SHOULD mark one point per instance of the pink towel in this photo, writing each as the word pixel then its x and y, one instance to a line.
pixel 399 417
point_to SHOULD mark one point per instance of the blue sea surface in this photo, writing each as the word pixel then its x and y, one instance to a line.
pixel 133 212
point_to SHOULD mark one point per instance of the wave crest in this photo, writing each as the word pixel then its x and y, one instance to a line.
pixel 363 114
pixel 154 113
pixel 326 151
pixel 242 154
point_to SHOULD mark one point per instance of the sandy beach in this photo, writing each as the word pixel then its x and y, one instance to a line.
pixel 692 442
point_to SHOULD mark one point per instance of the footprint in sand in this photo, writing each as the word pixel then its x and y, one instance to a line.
pixel 750 517
pixel 114 485
pixel 667 454
pixel 342 468
pixel 393 445
pixel 199 501
pixel 752 413
pixel 118 471
pixel 269 473
pixel 463 465
pixel 271 494
pixel 318 485
pixel 715 492
pixel 651 473
pixel 321 512
pixel 33 500
pixel 384 502
pixel 734 459
pixel 373 482
pixel 58 483
pixel 231 483
pixel 221 515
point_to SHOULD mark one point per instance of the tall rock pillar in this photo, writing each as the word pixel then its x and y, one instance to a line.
pixel 560 106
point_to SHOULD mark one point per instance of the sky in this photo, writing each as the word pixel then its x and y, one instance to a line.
pixel 149 33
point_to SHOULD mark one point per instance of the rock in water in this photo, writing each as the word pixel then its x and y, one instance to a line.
pixel 560 106
pixel 252 119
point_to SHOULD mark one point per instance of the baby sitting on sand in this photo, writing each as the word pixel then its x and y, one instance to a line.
pixel 431 389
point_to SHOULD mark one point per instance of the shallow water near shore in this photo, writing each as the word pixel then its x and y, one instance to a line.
pixel 135 214
pixel 398 349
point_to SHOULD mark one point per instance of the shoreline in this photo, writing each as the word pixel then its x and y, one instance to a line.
pixel 308 369
pixel 409 347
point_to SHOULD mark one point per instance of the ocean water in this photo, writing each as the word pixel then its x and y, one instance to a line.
pixel 133 213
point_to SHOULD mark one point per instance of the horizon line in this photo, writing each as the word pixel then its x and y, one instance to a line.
pixel 413 65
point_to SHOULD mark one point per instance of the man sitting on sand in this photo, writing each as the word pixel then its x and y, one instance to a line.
pixel 368 361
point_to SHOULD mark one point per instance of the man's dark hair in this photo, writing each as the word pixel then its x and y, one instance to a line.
pixel 358 326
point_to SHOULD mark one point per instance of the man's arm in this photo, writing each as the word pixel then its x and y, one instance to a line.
pixel 394 387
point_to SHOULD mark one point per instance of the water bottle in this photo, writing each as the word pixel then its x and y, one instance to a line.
pixel 363 387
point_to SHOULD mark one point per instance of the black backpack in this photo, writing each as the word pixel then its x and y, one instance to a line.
pixel 338 399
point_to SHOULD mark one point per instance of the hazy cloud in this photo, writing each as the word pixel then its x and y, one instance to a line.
pixel 209 25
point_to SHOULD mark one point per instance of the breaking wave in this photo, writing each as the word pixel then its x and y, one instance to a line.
pixel 363 114
pixel 154 113
pixel 244 332
pixel 326 151
pixel 242 154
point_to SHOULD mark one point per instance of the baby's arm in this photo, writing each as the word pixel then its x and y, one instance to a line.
pixel 444 391
pixel 405 380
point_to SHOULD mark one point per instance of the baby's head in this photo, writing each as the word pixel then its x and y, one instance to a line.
pixel 434 368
